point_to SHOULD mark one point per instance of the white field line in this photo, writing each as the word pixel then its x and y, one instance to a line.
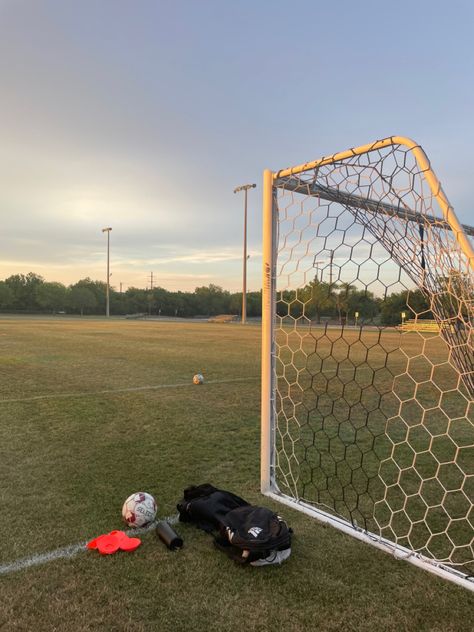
pixel 131 389
pixel 134 389
pixel 68 551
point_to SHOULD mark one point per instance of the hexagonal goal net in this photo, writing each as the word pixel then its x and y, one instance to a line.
pixel 367 354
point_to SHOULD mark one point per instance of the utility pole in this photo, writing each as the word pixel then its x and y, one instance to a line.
pixel 316 265
pixel 107 303
pixel 331 258
pixel 151 280
pixel 120 287
pixel 245 188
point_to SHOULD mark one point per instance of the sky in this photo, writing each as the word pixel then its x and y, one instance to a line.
pixel 145 115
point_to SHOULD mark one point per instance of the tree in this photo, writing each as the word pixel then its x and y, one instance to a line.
pixel 212 300
pixel 341 299
pixel 6 295
pixel 51 296
pixel 254 304
pixel 363 302
pixel 161 300
pixel 118 302
pixel 413 302
pixel 136 300
pixel 235 303
pixel 318 298
pixel 24 288
pixel 81 298
pixel 454 299
pixel 98 289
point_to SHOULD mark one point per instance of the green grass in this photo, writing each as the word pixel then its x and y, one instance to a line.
pixel 68 462
pixel 383 435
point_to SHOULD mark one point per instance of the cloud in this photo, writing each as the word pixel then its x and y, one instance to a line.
pixel 204 256
pixel 148 122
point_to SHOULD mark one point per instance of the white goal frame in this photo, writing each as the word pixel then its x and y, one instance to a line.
pixel 269 483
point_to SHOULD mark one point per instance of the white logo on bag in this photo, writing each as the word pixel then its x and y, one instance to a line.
pixel 255 531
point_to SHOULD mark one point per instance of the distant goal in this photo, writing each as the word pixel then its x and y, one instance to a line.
pixel 368 422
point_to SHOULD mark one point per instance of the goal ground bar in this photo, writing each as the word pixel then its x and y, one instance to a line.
pixel 398 551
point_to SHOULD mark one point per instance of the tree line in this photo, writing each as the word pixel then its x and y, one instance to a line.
pixel 317 301
pixel 30 293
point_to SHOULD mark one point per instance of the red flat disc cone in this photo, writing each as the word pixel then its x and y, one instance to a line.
pixel 108 544
pixel 130 544
pixel 119 535
pixel 93 543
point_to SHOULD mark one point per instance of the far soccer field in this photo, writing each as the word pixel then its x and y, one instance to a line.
pixel 92 411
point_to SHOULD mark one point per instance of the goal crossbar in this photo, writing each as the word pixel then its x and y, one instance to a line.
pixel 424 168
pixel 291 183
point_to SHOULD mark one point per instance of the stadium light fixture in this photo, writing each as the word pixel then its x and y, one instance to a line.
pixel 244 188
pixel 107 303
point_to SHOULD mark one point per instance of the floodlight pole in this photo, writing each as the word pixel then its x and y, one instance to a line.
pixel 245 188
pixel 107 304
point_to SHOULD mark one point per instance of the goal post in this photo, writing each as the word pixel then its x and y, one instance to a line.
pixel 367 423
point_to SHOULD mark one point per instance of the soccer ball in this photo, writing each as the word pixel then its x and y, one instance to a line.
pixel 139 509
pixel 198 379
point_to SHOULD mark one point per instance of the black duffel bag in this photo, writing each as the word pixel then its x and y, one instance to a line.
pixel 255 535
pixel 248 534
pixel 205 506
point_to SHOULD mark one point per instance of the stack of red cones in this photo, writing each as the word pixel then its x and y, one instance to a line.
pixel 114 541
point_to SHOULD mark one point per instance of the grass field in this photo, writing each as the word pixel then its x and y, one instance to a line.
pixel 92 411
pixel 376 426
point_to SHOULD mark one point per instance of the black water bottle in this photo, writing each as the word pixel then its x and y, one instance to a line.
pixel 168 536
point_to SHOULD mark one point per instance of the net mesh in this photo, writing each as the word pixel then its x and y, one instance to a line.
pixel 374 353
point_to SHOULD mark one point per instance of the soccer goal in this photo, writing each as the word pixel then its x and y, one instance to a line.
pixel 367 353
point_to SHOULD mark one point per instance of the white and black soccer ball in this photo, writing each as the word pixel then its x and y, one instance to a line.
pixel 139 509
pixel 198 379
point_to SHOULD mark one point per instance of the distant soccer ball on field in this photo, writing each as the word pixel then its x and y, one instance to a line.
pixel 198 379
pixel 139 509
